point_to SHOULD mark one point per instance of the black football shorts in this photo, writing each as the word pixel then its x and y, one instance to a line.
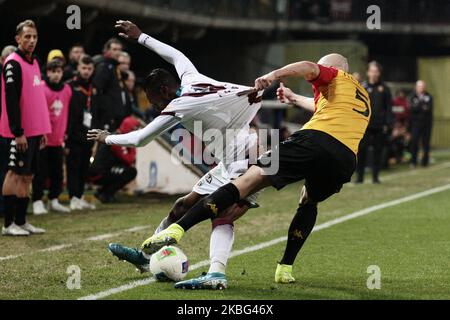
pixel 24 163
pixel 314 156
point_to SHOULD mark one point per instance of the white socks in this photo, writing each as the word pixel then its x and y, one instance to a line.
pixel 221 243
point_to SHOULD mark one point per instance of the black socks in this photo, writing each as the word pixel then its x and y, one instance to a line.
pixel 21 210
pixel 10 209
pixel 210 206
pixel 299 230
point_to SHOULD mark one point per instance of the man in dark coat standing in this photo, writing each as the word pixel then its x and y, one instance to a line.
pixel 421 103
pixel 381 122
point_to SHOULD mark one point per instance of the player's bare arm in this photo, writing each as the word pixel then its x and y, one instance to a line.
pixel 306 69
pixel 137 138
pixel 130 31
pixel 285 95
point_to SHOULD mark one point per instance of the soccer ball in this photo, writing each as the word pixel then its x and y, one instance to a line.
pixel 169 263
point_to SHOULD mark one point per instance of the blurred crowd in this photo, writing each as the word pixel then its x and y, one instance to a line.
pixel 47 109
pixel 399 130
pixel 320 11
pixel 398 126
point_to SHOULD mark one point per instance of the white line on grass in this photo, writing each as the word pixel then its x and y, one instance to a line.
pixel 56 248
pixel 136 283
pixel 67 245
pixel 408 173
pixel 325 225
pixel 414 172
pixel 138 228
pixel 10 257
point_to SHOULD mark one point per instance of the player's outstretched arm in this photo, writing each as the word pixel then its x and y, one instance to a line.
pixel 136 138
pixel 306 69
pixel 132 32
pixel 285 95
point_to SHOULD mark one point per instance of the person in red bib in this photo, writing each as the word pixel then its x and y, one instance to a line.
pixel 25 122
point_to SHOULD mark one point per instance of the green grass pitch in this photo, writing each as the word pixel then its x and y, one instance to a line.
pixel 409 242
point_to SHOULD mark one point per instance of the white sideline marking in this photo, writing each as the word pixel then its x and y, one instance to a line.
pixel 138 228
pixel 407 173
pixel 112 235
pixel 266 244
pixel 414 172
pixel 10 257
pixel 102 237
pixel 56 248
pixel 67 245
pixel 136 283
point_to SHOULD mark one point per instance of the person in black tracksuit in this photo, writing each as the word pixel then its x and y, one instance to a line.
pixel 113 166
pixel 380 123
pixel 113 101
pixel 79 150
pixel 4 150
pixel 421 103
pixel 75 53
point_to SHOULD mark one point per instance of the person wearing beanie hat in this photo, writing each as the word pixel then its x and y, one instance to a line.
pixel 56 54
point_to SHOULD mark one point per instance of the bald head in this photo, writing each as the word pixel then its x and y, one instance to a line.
pixel 421 86
pixel 335 60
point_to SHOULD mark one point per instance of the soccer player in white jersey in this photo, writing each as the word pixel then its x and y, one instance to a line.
pixel 216 105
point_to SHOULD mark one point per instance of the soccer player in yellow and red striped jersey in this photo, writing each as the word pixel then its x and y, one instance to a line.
pixel 323 153
pixel 341 106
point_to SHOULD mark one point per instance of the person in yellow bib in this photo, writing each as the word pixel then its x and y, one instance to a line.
pixel 323 153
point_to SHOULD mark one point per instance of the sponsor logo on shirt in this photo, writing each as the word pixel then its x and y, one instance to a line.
pixel 36 81
pixel 57 107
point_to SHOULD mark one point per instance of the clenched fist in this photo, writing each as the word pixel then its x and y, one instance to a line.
pixel 285 95
pixel 264 81
pixel 130 31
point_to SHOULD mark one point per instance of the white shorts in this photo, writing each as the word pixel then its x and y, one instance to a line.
pixel 219 177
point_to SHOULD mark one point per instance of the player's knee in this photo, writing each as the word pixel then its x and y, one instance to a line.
pixel 131 173
pixel 231 214
pixel 26 180
pixel 178 210
pixel 305 198
pixel 251 181
pixel 221 199
pixel 221 221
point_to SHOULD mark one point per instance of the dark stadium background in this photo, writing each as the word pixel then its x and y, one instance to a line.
pixel 419 28
pixel 227 39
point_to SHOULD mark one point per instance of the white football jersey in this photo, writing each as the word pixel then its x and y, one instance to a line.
pixel 206 108
pixel 207 104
